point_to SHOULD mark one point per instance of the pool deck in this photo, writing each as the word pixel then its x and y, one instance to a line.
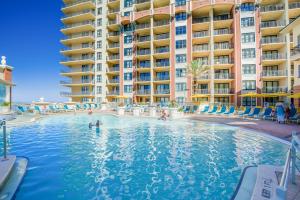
pixel 282 131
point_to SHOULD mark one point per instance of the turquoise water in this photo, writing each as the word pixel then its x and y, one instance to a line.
pixel 136 158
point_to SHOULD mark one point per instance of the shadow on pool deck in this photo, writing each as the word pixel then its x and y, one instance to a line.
pixel 273 128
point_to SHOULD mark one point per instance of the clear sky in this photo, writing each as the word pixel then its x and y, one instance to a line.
pixel 29 38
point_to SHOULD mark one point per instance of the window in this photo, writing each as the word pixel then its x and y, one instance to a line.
pixel 127 88
pixel 180 2
pixel 99 55
pixel 84 99
pixel 128 3
pixel 99 22
pixel 128 39
pixel 180 30
pixel 99 44
pixel 84 68
pixel 249 85
pixel 84 89
pixel 99 67
pixel 248 21
pixel 99 78
pixel 180 16
pixel 248 37
pixel 248 101
pixel 180 44
pixel 247 7
pixel 128 27
pixel 180 73
pixel 127 76
pixel 127 51
pixel 99 89
pixel 126 13
pixel 128 64
pixel 99 1
pixel 99 33
pixel 180 87
pixel 181 58
pixel 99 10
pixel 180 100
pixel 249 69
pixel 248 53
pixel 85 79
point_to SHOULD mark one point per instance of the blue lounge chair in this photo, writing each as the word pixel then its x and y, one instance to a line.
pixel 246 112
pixel 255 113
pixel 78 107
pixel 38 109
pixel 22 109
pixel 223 109
pixel 205 109
pixel 52 108
pixel 280 114
pixel 187 109
pixel 230 111
pixel 267 113
pixel 194 109
pixel 213 110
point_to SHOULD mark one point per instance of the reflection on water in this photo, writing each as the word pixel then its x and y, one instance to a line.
pixel 133 158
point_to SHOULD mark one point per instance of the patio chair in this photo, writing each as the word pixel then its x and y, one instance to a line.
pixel 223 110
pixel 255 113
pixel 267 113
pixel 295 118
pixel 213 110
pixel 246 111
pixel 230 111
pixel 205 109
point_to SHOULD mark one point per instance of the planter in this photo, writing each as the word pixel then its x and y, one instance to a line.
pixel 152 111
pixel 136 111
pixel 4 109
pixel 174 113
pixel 103 106
pixel 121 111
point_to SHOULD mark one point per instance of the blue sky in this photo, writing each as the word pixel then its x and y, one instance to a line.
pixel 29 38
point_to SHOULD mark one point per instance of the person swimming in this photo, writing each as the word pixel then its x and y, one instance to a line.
pixel 97 124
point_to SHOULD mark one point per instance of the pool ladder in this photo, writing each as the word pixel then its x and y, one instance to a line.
pixel 3 125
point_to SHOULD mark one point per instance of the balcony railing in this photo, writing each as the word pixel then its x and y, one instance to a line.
pixel 144 78
pixel 222 17
pixel 143 65
pixel 203 61
pixel 112 22
pixel 269 8
pixel 200 48
pixel 223 91
pixel 223 46
pixel 142 52
pixel 273 56
pixel 78 82
pixel 113 69
pixel 268 73
pixel 200 34
pixel 78 24
pixel 269 24
pixel 162 64
pixel 111 11
pixel 114 57
pixel 75 70
pixel 141 1
pixel 203 77
pixel 114 33
pixel 223 61
pixel 78 47
pixel 200 20
pixel 274 89
pixel 73 36
pixel 77 2
pixel 294 5
pixel 113 81
pixel 180 3
pixel 270 40
pixel 162 50
pixel 162 36
pixel 114 45
pixel 162 78
pixel 83 93
pixel 223 76
pixel 166 91
pixel 202 91
pixel 68 59
pixel 296 51
pixel 144 38
pixel 161 23
pixel 142 26
pixel 222 31
pixel 79 13
pixel 143 92
pixel 114 92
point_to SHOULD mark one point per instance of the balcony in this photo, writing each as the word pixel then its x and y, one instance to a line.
pixel 162 36
pixel 223 62
pixel 271 27
pixel 113 81
pixel 113 24
pixel 69 61
pixel 162 78
pixel 143 28
pixel 223 21
pixel 77 94
pixel 223 76
pixel 77 83
pixel 113 93
pixel 144 38
pixel 294 9
pixel 200 20
pixel 295 54
pixel 113 58
pixel 83 49
pixel 272 43
pixel 223 48
pixel 200 34
pixel 112 12
pixel 204 78
pixel 143 67
pixel 84 26
pixel 221 35
pixel 143 41
pixel 162 92
pixel 113 70
pixel 78 38
pixel 77 71
pixel 141 1
pixel 274 89
pixel 79 16
pixel 113 3
pixel 143 92
pixel 113 47
pixel 201 50
pixel 273 74
pixel 143 79
pixel 270 8
pixel 202 91
pixel 78 5
pixel 143 52
pixel 162 50
pixel 223 91
pixel 269 12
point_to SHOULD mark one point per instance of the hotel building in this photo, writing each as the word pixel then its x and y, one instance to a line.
pixel 6 83
pixel 140 49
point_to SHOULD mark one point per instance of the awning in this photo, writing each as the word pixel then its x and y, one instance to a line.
pixel 251 94
pixel 277 94
pixel 121 97
pixel 200 95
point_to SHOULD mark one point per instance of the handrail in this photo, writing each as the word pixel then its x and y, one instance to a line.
pixel 285 174
pixel 3 124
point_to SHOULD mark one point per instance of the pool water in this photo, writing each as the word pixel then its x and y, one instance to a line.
pixel 136 158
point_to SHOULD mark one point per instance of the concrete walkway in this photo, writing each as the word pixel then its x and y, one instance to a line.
pixel 273 128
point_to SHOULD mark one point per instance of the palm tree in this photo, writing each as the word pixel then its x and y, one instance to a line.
pixel 194 69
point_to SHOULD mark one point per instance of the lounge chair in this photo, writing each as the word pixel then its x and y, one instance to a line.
pixel 213 110
pixel 205 109
pixel 194 109
pixel 187 109
pixel 22 109
pixel 223 109
pixel 255 113
pixel 267 113
pixel 230 111
pixel 280 114
pixel 52 109
pixel 246 112
pixel 295 118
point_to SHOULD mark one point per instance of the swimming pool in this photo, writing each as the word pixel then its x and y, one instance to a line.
pixel 136 158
